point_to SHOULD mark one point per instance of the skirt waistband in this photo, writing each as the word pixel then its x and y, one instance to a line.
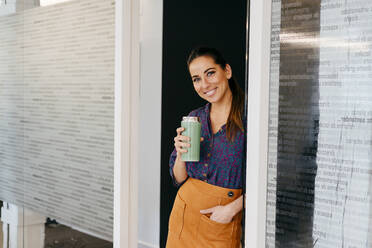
pixel 213 190
pixel 201 195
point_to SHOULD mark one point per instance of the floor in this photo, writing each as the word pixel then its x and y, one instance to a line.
pixel 60 236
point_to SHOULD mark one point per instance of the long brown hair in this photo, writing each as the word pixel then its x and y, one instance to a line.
pixel 234 121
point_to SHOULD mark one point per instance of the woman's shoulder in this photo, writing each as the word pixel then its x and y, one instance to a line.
pixel 200 111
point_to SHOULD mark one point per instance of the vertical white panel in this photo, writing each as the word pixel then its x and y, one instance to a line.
pixel 150 123
pixel 257 137
pixel 126 123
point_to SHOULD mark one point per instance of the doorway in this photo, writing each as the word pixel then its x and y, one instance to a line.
pixel 188 24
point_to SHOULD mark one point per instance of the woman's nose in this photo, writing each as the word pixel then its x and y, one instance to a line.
pixel 204 83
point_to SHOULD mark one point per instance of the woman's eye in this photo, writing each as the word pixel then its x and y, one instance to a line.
pixel 195 80
pixel 210 73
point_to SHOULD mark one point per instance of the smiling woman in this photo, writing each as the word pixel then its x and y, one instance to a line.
pixel 210 197
pixel 210 80
pixel 211 24
pixel 214 82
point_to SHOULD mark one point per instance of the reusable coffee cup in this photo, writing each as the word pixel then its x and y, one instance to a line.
pixel 192 128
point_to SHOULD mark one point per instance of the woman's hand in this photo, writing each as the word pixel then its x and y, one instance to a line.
pixel 220 214
pixel 225 214
pixel 181 142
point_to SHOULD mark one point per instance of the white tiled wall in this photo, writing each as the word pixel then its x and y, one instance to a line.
pixel 57 112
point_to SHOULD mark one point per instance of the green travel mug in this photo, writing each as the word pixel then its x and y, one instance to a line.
pixel 192 128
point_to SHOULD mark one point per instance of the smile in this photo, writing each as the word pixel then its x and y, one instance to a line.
pixel 211 92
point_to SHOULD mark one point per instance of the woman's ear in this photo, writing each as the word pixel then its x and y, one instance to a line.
pixel 228 71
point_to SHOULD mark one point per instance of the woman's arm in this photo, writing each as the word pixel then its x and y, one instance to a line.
pixel 179 170
pixel 225 214
pixel 236 206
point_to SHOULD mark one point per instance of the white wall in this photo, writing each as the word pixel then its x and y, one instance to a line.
pixel 150 123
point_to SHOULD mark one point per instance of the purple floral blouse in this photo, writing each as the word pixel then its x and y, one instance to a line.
pixel 221 161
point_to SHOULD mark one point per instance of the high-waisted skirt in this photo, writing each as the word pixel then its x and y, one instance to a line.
pixel 189 228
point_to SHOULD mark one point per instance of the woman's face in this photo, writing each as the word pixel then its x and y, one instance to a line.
pixel 209 79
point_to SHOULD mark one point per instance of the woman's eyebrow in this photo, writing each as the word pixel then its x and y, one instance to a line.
pixel 208 69
pixel 204 72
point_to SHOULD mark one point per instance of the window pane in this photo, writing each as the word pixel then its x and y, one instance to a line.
pixel 320 158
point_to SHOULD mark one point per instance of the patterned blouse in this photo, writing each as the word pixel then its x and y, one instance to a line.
pixel 220 161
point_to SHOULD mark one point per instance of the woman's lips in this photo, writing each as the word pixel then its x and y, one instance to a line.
pixel 211 92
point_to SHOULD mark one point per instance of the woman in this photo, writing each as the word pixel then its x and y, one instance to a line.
pixel 207 209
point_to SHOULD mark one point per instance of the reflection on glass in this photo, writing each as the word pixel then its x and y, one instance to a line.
pixel 320 131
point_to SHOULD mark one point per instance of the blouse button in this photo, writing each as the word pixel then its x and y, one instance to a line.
pixel 230 194
pixel 206 165
pixel 204 175
pixel 209 154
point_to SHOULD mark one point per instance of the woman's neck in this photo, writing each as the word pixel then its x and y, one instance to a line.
pixel 223 106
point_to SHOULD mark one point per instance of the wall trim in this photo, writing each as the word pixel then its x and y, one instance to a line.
pixel 126 123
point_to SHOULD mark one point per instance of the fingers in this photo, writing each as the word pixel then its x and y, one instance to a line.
pixel 179 130
pixel 181 145
pixel 180 141
pixel 180 150
pixel 181 138
pixel 207 211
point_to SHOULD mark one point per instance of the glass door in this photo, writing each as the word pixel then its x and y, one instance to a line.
pixel 318 158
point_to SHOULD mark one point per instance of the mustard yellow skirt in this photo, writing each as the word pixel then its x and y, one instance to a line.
pixel 188 228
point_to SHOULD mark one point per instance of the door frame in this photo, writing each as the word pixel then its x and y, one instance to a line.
pixel 127 87
pixel 127 71
pixel 257 122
